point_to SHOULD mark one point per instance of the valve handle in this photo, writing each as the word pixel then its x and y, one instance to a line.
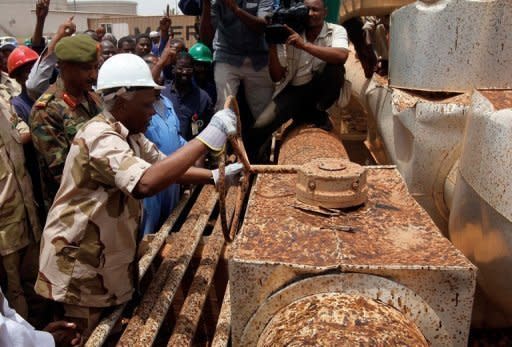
pixel 239 149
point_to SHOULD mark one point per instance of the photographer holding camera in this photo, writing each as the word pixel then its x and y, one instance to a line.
pixel 308 71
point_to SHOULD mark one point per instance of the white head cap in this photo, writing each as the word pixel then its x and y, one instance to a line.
pixel 125 70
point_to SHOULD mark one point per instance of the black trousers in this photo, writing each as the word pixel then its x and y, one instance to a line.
pixel 305 104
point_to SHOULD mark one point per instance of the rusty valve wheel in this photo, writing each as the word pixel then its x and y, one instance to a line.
pixel 236 142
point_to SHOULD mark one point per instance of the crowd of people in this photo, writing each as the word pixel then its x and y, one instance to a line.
pixel 99 135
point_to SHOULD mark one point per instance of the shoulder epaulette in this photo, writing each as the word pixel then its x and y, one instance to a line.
pixel 43 100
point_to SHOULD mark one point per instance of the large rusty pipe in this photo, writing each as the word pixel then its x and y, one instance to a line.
pixel 304 143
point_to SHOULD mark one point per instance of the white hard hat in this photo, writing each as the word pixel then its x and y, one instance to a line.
pixel 125 70
pixel 154 34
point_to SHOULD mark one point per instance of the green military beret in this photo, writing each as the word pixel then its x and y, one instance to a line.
pixel 77 49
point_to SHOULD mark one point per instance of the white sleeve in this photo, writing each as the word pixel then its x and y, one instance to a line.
pixel 15 331
pixel 39 78
pixel 339 37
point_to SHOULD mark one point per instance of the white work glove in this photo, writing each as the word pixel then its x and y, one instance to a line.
pixel 222 125
pixel 232 177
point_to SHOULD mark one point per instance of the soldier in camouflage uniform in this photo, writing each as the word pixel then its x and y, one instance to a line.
pixel 90 240
pixel 19 226
pixel 65 107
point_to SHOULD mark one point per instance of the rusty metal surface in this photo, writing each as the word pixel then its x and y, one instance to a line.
pixel 391 228
pixel 240 199
pixel 499 99
pixel 101 332
pixel 104 327
pixel 149 315
pixel 186 325
pixel 260 169
pixel 393 237
pixel 160 237
pixel 411 304
pixel 350 9
pixel 332 183
pixel 304 143
pixel 223 328
pixel 404 99
pixel 335 319
pixel 221 190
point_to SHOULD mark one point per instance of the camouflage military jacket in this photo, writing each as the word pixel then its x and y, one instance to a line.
pixel 18 215
pixel 55 119
pixel 89 243
pixel 9 88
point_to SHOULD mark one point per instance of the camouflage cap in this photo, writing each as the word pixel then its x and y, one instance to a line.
pixel 77 49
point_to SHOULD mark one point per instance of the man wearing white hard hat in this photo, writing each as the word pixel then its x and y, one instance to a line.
pixel 87 260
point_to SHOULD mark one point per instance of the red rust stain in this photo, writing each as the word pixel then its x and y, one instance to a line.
pixel 500 99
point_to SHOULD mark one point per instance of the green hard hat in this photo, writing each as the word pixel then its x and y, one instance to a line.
pixel 28 42
pixel 201 52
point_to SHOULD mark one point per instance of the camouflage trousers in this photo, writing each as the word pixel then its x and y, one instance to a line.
pixel 20 269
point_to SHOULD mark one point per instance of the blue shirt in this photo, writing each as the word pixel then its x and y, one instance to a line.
pixel 210 88
pixel 22 105
pixel 234 41
pixel 163 131
pixel 195 102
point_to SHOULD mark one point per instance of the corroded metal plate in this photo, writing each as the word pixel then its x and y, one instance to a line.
pixel 331 183
pixel 336 319
pixel 390 236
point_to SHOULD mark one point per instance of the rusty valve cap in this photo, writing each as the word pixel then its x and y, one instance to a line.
pixel 331 183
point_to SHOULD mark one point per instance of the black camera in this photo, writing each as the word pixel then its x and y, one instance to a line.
pixel 294 15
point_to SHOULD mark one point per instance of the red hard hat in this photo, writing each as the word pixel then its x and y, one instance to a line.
pixel 19 57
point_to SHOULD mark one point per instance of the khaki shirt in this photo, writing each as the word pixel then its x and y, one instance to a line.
pixel 89 242
pixel 54 121
pixel 18 217
pixel 9 88
pixel 300 65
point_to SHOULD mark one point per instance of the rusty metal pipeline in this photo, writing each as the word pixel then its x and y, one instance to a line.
pixel 304 143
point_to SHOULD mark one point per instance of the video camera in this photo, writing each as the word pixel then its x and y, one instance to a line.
pixel 294 15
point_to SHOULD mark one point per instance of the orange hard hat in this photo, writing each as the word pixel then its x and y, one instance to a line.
pixel 19 57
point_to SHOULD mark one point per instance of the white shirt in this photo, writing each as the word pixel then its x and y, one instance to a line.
pixel 300 64
pixel 39 78
pixel 15 331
